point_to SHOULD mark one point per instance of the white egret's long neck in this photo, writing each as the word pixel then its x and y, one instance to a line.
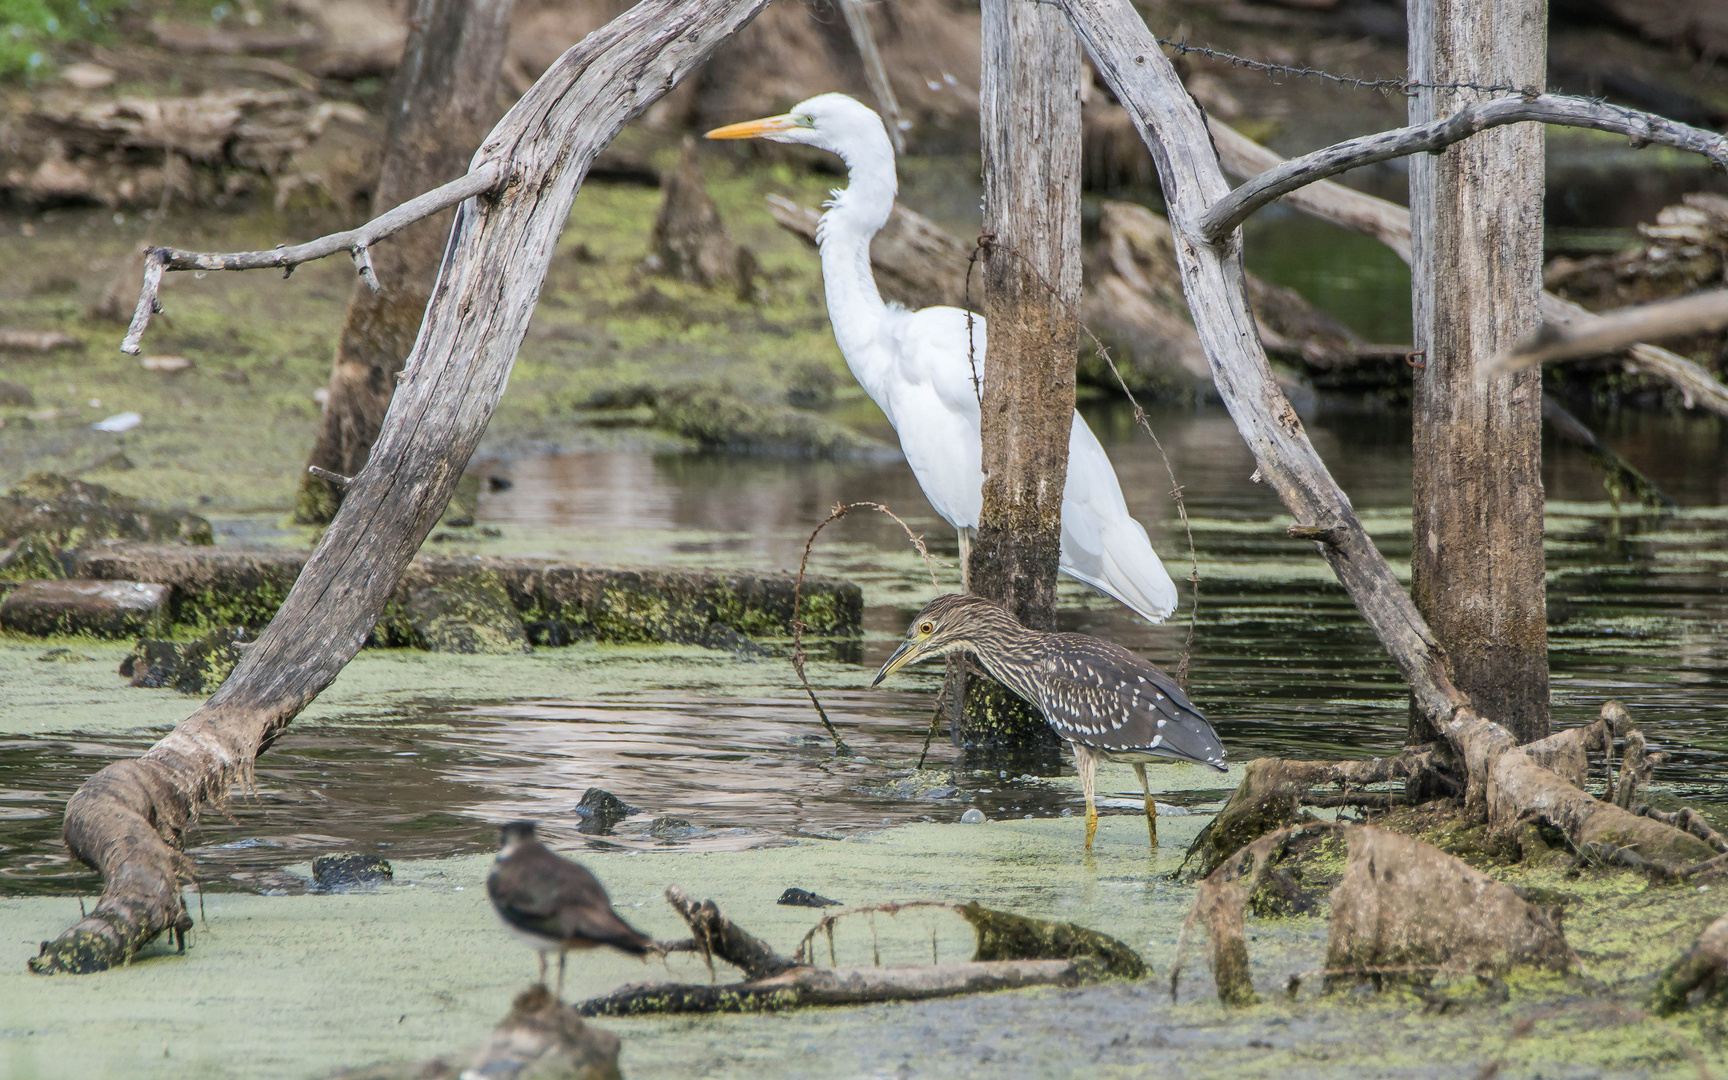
pixel 854 216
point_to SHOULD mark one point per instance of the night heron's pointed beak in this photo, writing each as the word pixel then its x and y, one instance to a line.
pixel 755 129
pixel 902 656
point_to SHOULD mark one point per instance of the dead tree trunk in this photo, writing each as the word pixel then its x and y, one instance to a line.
pixel 1476 218
pixel 127 819
pixel 1030 119
pixel 442 100
pixel 1505 783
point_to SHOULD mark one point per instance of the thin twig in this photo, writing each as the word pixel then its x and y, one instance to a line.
pixel 826 923
pixel 485 177
pixel 840 510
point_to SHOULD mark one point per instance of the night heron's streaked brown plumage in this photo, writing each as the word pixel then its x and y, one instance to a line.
pixel 1109 703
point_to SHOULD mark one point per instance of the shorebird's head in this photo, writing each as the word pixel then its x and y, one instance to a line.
pixel 833 122
pixel 512 836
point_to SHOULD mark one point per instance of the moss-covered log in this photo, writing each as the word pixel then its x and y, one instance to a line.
pixel 557 602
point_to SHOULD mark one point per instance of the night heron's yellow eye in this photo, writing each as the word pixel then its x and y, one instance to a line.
pixel 926 628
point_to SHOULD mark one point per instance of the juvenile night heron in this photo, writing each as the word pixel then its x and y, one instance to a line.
pixel 554 904
pixel 1108 703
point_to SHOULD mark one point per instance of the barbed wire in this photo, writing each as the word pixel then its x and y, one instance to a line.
pixel 1403 86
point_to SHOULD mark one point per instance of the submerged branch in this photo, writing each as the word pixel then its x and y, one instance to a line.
pixel 1642 127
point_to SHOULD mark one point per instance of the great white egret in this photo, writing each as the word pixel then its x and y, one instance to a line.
pixel 918 366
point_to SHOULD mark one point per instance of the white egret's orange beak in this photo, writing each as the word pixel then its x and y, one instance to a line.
pixel 755 129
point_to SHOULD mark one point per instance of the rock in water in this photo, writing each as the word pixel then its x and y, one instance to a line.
pixel 600 810
pixel 191 667
pixel 805 898
pixel 348 869
pixel 69 513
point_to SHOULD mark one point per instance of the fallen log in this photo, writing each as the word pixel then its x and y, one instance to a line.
pixel 1013 952
pixel 127 820
pixel 1612 331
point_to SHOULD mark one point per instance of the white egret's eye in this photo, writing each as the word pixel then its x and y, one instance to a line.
pixel 926 628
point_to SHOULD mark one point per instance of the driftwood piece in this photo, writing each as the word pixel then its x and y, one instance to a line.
pixel 1013 952
pixel 126 819
pixel 1612 331
pixel 1404 904
pixel 1403 910
pixel 1125 53
pixel 1390 224
pixel 541 1039
pixel 1273 792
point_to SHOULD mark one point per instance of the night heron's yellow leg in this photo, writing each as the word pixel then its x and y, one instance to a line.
pixel 1088 766
pixel 1151 805
pixel 966 559
pixel 561 957
pixel 542 969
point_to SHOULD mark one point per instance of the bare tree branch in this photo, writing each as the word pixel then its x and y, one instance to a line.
pixel 481 179
pixel 1389 223
pixel 1614 330
pixel 1357 211
pixel 1232 210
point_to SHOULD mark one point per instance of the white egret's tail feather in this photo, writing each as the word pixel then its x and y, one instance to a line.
pixel 1130 571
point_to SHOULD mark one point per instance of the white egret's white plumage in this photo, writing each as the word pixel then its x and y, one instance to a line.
pixel 918 368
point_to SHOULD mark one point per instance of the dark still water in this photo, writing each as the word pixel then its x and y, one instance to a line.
pixel 1282 663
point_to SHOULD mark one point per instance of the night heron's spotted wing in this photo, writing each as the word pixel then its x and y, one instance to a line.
pixel 1103 696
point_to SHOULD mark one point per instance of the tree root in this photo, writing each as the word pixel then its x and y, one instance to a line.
pixel 1013 951
pixel 1505 786
pixel 1403 909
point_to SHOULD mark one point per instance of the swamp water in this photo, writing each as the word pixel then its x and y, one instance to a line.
pixel 414 756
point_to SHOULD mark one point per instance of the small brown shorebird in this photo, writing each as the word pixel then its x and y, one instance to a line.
pixel 554 904
pixel 1108 703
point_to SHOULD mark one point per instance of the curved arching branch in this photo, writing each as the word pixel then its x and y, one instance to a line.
pixel 1233 209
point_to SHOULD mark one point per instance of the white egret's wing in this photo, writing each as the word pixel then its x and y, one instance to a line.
pixel 1102 544
pixel 935 408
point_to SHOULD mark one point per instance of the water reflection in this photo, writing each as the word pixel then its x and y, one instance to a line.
pixel 1282 662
